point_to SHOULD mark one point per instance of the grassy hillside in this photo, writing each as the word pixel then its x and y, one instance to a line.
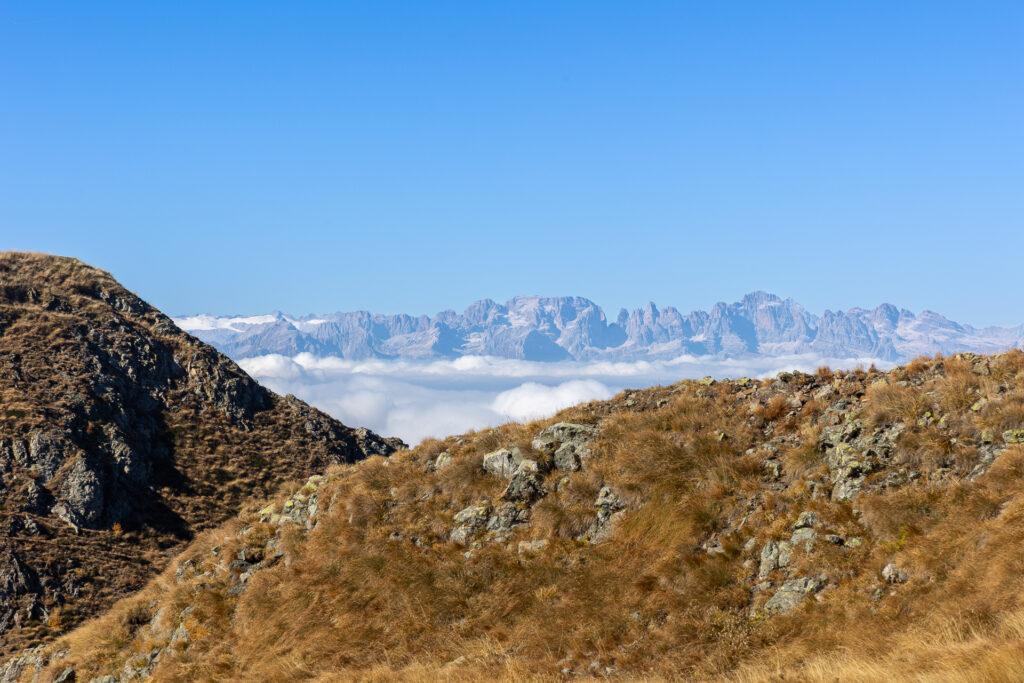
pixel 837 526
pixel 120 437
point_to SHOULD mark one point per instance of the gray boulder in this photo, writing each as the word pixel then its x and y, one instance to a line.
pixel 470 522
pixel 505 517
pixel 893 574
pixel 443 460
pixel 807 519
pixel 610 509
pixel 785 553
pixel 792 593
pixel 524 488
pixel 806 536
pixel 769 560
pixel 567 443
pixel 567 458
pixel 502 463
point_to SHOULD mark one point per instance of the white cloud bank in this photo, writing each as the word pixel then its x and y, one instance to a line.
pixel 419 399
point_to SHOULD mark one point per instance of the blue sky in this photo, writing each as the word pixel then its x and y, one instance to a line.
pixel 312 157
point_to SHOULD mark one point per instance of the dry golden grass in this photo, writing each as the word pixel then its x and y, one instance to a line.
pixel 652 603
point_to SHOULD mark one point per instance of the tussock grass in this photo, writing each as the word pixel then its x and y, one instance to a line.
pixel 376 591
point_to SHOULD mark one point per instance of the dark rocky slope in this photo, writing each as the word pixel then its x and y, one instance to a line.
pixel 120 437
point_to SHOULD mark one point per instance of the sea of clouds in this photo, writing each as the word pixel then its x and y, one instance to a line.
pixel 419 399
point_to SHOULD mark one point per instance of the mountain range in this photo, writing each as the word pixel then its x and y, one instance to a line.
pixel 575 328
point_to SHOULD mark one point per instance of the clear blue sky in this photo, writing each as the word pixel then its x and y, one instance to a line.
pixel 312 157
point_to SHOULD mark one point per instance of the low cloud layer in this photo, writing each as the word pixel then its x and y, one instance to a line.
pixel 415 400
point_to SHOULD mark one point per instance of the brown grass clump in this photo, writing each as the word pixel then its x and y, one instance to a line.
pixel 896 403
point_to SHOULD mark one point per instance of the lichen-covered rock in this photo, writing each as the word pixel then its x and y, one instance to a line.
pixel 16 668
pixel 567 443
pixel 894 574
pixel 805 536
pixel 807 519
pixel 505 517
pixel 852 452
pixel 1013 436
pixel 785 553
pixel 470 521
pixel 769 560
pixel 610 509
pixel 792 593
pixel 502 463
pixel 524 488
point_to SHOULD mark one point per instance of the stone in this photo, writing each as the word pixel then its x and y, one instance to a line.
pixel 16 577
pixel 502 463
pixel 524 488
pixel 180 636
pixel 792 593
pixel 785 553
pixel 567 442
pixel 769 559
pixel 65 676
pixel 443 460
pixel 1013 436
pixel 806 536
pixel 46 453
pixel 608 500
pixel 135 467
pixel 893 574
pixel 528 465
pixel 806 519
pixel 38 500
pixel 471 521
pixel 506 516
pixel 566 458
pixel 473 514
pixel 81 495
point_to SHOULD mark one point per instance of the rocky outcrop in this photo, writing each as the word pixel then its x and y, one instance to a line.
pixel 121 435
pixel 567 444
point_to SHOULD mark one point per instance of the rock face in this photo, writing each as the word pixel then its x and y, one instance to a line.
pixel 125 434
pixel 558 328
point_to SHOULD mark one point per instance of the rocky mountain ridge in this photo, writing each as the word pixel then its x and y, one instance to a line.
pixel 120 437
pixel 859 525
pixel 563 328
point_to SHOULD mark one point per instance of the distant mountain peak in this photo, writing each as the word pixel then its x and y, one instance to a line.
pixel 540 328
